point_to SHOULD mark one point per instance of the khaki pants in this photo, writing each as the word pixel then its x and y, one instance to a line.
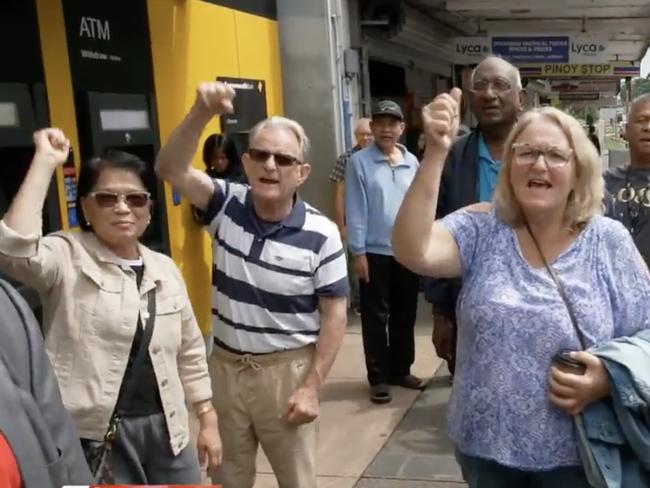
pixel 250 395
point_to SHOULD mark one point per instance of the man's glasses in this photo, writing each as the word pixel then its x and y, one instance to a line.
pixel 554 156
pixel 109 199
pixel 499 86
pixel 261 156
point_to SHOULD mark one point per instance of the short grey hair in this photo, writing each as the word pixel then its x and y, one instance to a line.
pixel 287 124
pixel 640 100
pixel 514 69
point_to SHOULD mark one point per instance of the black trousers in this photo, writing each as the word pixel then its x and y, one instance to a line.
pixel 388 310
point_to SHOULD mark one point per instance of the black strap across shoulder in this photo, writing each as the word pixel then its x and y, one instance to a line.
pixel 560 289
pixel 128 386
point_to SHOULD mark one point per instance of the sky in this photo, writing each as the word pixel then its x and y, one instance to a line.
pixel 645 64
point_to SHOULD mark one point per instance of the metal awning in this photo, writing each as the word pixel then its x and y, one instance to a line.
pixel 624 23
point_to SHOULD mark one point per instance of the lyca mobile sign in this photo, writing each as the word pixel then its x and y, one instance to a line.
pixel 533 49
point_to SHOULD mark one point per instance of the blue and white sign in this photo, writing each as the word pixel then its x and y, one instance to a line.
pixel 533 49
pixel 550 49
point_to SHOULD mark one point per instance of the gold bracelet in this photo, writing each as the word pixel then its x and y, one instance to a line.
pixel 205 409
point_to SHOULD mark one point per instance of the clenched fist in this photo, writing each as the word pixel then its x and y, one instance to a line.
pixel 440 120
pixel 215 97
pixel 52 147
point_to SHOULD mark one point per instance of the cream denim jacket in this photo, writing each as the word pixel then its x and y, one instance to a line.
pixel 90 312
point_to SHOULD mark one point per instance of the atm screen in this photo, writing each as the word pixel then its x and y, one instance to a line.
pixel 9 115
pixel 124 119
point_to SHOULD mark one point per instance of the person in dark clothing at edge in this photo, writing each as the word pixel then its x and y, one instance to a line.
pixel 39 445
pixel 628 187
pixel 222 159
pixel 593 137
pixel 470 176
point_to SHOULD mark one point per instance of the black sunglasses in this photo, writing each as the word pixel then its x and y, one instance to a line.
pixel 261 156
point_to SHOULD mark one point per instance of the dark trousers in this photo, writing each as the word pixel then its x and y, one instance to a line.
pixel 141 454
pixel 388 310
pixel 482 473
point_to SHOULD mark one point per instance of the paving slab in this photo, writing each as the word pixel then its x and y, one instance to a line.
pixel 391 483
pixel 353 430
pixel 419 449
pixel 268 481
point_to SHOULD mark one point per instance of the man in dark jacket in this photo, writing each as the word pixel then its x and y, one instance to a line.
pixel 628 187
pixel 40 447
pixel 470 176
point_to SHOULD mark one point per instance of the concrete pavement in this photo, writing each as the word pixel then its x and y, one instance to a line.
pixel 398 445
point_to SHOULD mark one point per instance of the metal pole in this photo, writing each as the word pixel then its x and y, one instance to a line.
pixel 628 86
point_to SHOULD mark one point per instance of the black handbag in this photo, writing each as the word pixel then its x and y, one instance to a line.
pixel 98 455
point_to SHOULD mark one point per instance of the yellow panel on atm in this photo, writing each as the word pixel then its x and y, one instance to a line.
pixel 194 41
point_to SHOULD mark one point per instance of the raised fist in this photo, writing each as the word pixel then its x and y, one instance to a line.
pixel 52 146
pixel 216 97
pixel 440 120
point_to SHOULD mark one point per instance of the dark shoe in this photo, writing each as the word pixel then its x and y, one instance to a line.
pixel 409 381
pixel 380 393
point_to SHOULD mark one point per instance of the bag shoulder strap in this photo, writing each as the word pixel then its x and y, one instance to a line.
pixel 128 386
pixel 143 350
pixel 560 288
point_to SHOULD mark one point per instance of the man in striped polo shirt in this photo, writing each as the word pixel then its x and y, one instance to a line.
pixel 279 293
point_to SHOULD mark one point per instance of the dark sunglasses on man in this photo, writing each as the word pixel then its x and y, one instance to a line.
pixel 262 156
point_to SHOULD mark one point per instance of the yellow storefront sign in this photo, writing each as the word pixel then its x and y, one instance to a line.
pixel 617 69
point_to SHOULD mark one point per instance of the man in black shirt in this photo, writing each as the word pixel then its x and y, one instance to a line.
pixel 628 187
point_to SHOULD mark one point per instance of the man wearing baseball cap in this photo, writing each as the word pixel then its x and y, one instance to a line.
pixel 377 178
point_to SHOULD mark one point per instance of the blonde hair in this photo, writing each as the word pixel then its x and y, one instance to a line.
pixel 584 201
pixel 287 124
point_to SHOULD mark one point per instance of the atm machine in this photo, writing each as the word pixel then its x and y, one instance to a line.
pixel 23 109
pixel 112 76
pixel 126 122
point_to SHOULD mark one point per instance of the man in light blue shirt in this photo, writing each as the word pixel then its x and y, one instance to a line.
pixel 376 180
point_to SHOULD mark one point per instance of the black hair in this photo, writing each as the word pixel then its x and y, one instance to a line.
pixel 223 142
pixel 111 158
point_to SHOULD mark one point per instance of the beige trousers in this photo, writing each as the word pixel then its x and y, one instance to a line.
pixel 250 395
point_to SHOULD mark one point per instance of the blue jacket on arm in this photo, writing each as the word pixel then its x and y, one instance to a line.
pixel 374 191
pixel 614 434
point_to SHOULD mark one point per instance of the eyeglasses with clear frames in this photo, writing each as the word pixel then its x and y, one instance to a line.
pixel 525 154
pixel 499 85
pixel 109 199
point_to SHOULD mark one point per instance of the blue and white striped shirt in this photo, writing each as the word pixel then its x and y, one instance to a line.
pixel 266 281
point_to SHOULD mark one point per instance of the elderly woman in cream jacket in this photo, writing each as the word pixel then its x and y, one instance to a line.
pixel 98 287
